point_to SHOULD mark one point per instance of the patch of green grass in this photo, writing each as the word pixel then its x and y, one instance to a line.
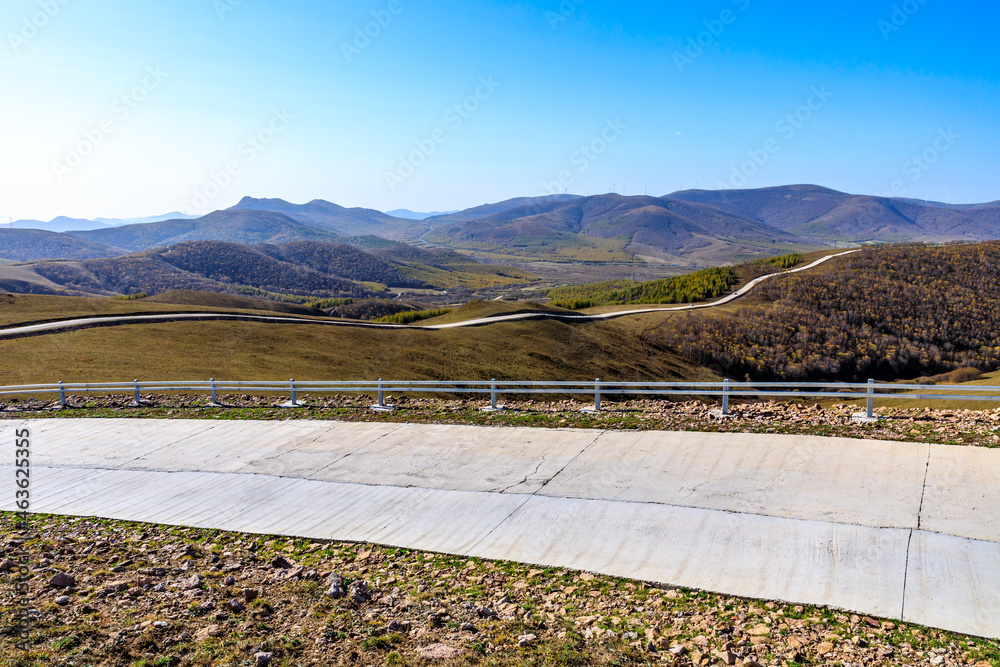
pixel 66 643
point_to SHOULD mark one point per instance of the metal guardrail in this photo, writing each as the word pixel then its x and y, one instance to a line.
pixel 495 388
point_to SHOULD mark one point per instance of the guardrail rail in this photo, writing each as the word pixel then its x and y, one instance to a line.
pixel 597 388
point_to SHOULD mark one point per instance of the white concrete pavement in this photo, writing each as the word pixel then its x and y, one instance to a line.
pixel 898 530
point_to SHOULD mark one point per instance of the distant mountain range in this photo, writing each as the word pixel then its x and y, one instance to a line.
pixel 407 214
pixel 819 213
pixel 710 227
pixel 519 203
pixel 64 224
pixel 337 219
pixel 687 227
pixel 236 226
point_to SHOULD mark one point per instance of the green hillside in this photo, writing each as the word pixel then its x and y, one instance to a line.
pixel 698 286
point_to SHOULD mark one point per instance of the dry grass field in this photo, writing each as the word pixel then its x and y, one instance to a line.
pixel 240 350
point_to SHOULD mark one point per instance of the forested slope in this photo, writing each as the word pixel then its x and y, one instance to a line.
pixel 892 312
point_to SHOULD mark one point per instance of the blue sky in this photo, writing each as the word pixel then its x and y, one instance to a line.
pixel 123 109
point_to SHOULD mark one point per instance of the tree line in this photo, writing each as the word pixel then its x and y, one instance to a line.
pixel 704 284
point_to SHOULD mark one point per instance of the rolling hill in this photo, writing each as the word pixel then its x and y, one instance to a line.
pixel 340 259
pixel 924 310
pixel 26 245
pixel 583 227
pixel 525 203
pixel 296 271
pixel 203 266
pixel 337 219
pixel 447 269
pixel 820 213
pixel 240 226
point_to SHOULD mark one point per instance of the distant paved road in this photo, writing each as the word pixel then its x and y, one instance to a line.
pixel 898 530
pixel 61 326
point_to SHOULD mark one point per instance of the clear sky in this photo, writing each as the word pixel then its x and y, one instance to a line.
pixel 120 108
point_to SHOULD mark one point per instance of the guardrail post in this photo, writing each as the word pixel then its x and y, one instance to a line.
pixel 725 397
pixel 215 400
pixel 871 399
pixel 380 406
pixel 138 399
pixel 62 394
pixel 294 403
pixel 597 395
pixel 493 394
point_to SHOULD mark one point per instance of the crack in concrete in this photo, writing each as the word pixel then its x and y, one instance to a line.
pixel 920 510
pixel 526 477
pixel 529 497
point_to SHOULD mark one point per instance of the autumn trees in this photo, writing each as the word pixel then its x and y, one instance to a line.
pixel 888 313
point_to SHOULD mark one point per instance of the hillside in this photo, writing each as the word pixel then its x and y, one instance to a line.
pixel 298 271
pixel 447 269
pixel 25 245
pixel 697 286
pixel 243 265
pixel 893 312
pixel 337 219
pixel 606 227
pixel 817 212
pixel 339 259
pixel 243 226
pixel 539 204
pixel 228 302
pixel 538 350
pixel 202 266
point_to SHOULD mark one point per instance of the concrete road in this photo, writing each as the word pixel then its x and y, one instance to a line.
pixel 898 530
pixel 122 320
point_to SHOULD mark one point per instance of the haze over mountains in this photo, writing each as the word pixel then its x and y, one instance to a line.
pixel 691 226
pixel 407 214
pixel 65 224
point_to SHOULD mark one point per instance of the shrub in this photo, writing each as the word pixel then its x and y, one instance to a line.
pixel 967 374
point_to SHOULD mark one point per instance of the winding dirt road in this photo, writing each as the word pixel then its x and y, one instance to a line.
pixel 62 326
